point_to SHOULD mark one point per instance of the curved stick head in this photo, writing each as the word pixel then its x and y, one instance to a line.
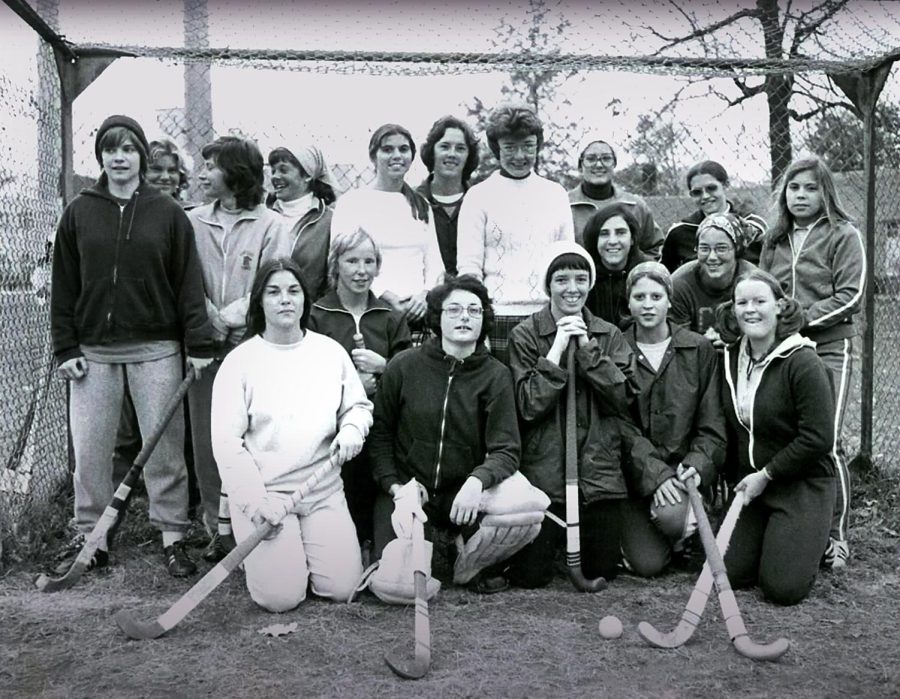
pixel 757 651
pixel 584 584
pixel 654 637
pixel 408 668
pixel 138 630
pixel 45 583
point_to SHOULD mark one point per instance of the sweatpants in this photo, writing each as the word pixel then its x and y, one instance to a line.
pixel 838 359
pixel 601 524
pixel 95 410
pixel 647 542
pixel 209 483
pixel 780 537
pixel 316 546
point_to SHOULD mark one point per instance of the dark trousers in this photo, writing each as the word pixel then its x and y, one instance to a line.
pixel 601 545
pixel 359 489
pixel 780 538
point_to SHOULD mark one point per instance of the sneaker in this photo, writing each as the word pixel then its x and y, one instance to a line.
pixel 66 557
pixel 836 553
pixel 219 546
pixel 178 563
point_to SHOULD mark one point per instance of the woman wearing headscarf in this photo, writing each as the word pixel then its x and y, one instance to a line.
pixel 304 193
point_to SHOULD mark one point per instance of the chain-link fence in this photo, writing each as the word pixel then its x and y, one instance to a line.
pixel 33 454
pixel 744 84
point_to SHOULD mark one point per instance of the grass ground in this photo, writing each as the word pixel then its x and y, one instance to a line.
pixel 844 638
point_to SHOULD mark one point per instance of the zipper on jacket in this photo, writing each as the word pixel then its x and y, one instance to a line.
pixel 115 277
pixel 437 465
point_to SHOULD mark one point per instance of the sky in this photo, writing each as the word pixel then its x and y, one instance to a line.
pixel 338 112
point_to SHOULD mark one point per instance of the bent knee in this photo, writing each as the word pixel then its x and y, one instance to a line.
pixel 277 601
pixel 785 592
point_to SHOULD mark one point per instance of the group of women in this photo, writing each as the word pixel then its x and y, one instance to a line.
pixel 314 317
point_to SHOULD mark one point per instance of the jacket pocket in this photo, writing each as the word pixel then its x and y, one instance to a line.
pixel 138 307
pixel 92 303
pixel 420 459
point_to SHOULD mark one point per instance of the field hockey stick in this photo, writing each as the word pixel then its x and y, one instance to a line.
pixel 734 622
pixel 143 630
pixel 697 603
pixel 573 528
pixel 417 667
pixel 116 508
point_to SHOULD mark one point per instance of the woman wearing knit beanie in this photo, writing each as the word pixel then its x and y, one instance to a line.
pixel 699 286
pixel 305 191
pixel 604 381
pixel 679 410
pixel 127 294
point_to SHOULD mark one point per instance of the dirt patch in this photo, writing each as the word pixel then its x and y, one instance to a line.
pixel 521 643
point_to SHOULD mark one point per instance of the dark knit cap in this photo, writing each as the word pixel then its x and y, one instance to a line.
pixel 128 123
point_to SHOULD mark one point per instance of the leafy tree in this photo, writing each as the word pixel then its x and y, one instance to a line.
pixel 837 136
pixel 539 88
pixel 785 30
pixel 657 143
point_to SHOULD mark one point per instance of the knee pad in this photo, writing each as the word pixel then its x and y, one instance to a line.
pixel 676 521
pixel 497 538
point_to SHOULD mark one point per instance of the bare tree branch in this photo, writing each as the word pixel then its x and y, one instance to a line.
pixel 805 29
pixel 701 32
pixel 821 109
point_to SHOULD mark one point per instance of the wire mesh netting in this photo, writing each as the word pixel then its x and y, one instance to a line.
pixel 748 84
pixel 33 459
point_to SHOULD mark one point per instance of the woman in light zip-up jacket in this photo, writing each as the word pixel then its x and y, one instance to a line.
pixel 819 256
pixel 305 192
pixel 779 405
pixel 236 234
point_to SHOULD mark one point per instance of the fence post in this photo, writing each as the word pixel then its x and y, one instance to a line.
pixel 198 126
pixel 864 90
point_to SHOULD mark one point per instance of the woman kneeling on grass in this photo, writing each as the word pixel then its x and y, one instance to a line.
pixel 285 402
pixel 781 407
pixel 445 415
pixel 679 410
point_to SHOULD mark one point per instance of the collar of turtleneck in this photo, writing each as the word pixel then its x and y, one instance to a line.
pixel 597 191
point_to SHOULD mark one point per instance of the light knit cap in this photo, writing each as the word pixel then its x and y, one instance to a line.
pixel 565 247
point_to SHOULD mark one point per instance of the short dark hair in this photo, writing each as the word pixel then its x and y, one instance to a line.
pixel 513 122
pixel 568 260
pixel 592 228
pixel 436 133
pixel 117 135
pixel 321 190
pixel 436 297
pixel 242 163
pixel 707 167
pixel 383 132
pixel 256 318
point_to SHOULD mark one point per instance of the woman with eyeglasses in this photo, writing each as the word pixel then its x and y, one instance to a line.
pixel 597 163
pixel 708 185
pixel 699 286
pixel 445 415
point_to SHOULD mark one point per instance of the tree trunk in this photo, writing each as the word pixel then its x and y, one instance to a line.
pixel 778 90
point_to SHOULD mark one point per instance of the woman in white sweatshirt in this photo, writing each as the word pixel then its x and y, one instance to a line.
pixel 285 402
